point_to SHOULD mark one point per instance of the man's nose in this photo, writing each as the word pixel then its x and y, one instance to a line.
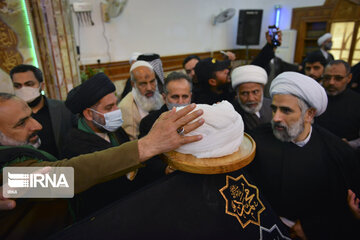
pixel 277 116
pixel 35 125
pixel 251 97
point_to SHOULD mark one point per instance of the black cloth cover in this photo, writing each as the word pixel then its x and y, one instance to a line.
pixel 186 206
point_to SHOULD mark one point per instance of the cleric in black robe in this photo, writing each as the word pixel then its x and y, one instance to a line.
pixel 248 82
pixel 304 171
pixel 341 116
pixel 99 128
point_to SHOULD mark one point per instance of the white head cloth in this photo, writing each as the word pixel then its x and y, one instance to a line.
pixel 248 73
pixel 134 57
pixel 323 38
pixel 222 132
pixel 302 87
pixel 139 64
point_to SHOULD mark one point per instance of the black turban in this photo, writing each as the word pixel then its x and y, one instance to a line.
pixel 89 93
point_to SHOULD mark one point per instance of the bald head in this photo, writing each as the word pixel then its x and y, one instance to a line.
pixel 17 127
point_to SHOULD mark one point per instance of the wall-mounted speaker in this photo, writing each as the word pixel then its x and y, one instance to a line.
pixel 249 27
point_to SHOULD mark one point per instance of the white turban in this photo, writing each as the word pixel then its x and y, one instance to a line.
pixel 323 38
pixel 302 87
pixel 134 57
pixel 222 132
pixel 248 73
pixel 139 64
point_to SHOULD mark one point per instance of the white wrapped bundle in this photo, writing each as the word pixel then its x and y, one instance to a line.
pixel 222 132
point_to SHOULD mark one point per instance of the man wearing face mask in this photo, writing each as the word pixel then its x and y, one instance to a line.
pixel 177 93
pixel 325 44
pixel 55 118
pixel 99 128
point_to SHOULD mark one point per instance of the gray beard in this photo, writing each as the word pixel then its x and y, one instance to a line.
pixel 290 133
pixel 249 109
pixel 7 141
pixel 147 104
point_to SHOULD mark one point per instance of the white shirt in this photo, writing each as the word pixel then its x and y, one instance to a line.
pixel 306 140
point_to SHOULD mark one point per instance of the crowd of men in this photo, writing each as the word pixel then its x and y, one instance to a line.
pixel 307 136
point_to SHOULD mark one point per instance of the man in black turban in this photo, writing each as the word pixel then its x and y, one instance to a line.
pixel 99 128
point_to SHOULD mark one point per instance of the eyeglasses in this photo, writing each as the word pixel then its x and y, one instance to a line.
pixel 336 77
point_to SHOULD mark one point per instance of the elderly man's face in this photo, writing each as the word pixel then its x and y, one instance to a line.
pixel 287 121
pixel 314 70
pixel 16 124
pixel 335 79
pixel 145 81
pixel 250 96
pixel 190 67
pixel 178 92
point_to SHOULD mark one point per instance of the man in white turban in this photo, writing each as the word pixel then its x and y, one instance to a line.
pixel 143 98
pixel 325 44
pixel 304 171
pixel 248 82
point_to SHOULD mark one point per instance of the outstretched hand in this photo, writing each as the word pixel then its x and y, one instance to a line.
pixel 6 204
pixel 164 135
pixel 353 203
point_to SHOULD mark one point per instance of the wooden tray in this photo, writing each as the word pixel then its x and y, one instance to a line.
pixel 189 163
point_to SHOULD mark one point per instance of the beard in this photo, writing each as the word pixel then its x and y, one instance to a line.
pixel 148 104
pixel 247 106
pixel 289 133
pixel 7 141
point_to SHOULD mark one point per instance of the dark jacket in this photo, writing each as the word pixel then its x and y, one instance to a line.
pixel 251 121
pixel 148 121
pixel 62 120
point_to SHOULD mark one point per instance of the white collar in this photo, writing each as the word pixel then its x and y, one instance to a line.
pixel 306 140
pixel 325 53
pixel 104 136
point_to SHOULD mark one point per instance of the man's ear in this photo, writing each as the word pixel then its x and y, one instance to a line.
pixel 88 114
pixel 164 96
pixel 212 82
pixel 310 115
pixel 42 86
pixel 349 78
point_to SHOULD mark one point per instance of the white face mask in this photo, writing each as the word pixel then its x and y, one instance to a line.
pixel 28 94
pixel 171 105
pixel 113 120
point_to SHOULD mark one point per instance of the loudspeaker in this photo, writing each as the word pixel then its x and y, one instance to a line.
pixel 249 27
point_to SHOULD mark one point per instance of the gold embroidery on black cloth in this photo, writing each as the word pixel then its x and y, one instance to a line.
pixel 242 200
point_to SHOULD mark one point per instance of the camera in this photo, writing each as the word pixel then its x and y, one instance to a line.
pixel 273 33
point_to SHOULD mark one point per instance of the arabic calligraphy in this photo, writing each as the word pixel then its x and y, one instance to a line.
pixel 242 200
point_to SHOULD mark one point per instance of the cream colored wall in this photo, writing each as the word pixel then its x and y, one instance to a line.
pixel 172 27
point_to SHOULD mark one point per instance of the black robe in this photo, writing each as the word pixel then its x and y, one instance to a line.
pixel 147 122
pixel 308 183
pixel 342 116
pixel 186 206
pixel 251 121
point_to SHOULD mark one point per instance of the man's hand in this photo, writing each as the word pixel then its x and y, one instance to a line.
pixel 353 203
pixel 296 232
pixel 6 204
pixel 164 137
pixel 268 38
